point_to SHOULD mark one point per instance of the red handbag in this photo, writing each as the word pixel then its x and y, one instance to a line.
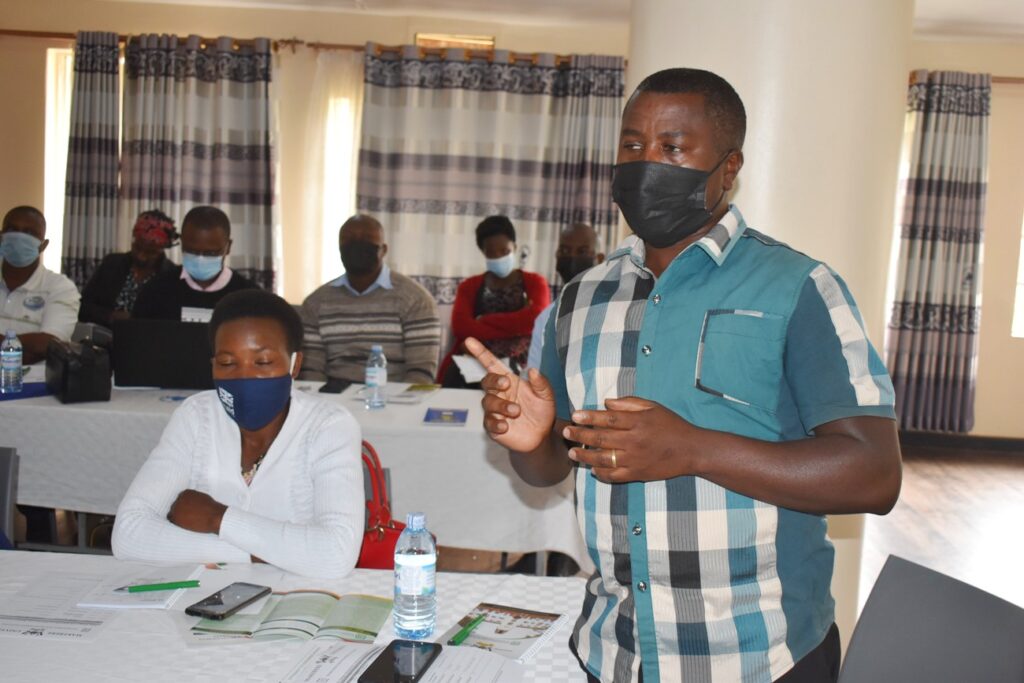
pixel 382 532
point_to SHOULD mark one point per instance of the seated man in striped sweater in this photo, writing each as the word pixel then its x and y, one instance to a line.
pixel 369 304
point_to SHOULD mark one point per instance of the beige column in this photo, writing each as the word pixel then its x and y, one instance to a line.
pixel 824 84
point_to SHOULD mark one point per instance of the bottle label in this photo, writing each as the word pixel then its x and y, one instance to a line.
pixel 10 361
pixel 376 377
pixel 415 574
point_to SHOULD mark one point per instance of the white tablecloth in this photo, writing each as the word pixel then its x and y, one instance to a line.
pixel 149 645
pixel 84 456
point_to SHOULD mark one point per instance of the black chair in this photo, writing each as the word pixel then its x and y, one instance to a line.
pixel 920 626
pixel 8 495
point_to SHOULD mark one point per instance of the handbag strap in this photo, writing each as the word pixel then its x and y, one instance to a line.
pixel 380 506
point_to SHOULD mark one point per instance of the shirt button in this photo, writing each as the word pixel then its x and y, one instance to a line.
pixel 642 586
pixel 656 299
pixel 646 349
pixel 637 529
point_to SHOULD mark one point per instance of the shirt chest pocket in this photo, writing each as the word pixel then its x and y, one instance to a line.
pixel 740 356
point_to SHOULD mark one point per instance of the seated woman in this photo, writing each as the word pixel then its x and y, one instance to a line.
pixel 254 469
pixel 110 293
pixel 499 306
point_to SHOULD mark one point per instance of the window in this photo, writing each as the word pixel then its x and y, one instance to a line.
pixel 1017 330
pixel 338 179
pixel 60 69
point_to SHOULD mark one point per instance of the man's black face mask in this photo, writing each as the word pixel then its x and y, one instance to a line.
pixel 569 267
pixel 359 257
pixel 662 203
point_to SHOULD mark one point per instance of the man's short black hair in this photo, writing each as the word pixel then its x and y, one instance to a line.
pixel 494 225
pixel 207 218
pixel 258 303
pixel 30 210
pixel 721 103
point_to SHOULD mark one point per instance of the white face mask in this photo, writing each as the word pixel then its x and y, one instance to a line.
pixel 501 267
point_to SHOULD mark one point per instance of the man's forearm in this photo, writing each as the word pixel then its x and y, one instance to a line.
pixel 33 346
pixel 850 469
pixel 546 465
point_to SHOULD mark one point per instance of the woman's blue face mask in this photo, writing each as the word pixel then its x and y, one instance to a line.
pixel 502 267
pixel 252 402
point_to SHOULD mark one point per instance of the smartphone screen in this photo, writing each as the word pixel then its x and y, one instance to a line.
pixel 402 661
pixel 227 600
pixel 335 385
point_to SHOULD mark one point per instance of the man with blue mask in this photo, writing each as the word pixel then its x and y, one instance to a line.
pixel 190 292
pixel 714 394
pixel 38 304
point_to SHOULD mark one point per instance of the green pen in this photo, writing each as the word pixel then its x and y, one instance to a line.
pixel 169 586
pixel 465 631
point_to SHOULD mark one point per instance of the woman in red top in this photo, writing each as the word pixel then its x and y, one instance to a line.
pixel 497 307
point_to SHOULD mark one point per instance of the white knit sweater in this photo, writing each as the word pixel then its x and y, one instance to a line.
pixel 304 511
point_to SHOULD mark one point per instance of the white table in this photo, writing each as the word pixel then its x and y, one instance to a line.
pixel 84 456
pixel 149 645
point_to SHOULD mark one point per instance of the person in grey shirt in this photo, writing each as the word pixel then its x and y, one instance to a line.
pixel 369 304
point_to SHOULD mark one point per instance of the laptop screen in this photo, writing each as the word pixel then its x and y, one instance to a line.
pixel 162 353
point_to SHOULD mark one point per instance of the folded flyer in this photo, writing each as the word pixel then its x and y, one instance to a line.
pixel 508 631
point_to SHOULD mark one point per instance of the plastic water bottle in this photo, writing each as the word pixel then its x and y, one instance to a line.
pixel 415 569
pixel 10 364
pixel 376 379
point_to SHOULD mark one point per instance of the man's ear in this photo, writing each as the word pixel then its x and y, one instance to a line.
pixel 383 251
pixel 228 250
pixel 732 168
pixel 297 365
pixel 43 245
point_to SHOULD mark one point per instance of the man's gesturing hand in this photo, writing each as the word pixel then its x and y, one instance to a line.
pixel 518 414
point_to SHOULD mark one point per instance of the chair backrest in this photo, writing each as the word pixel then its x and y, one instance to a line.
pixel 920 625
pixel 8 492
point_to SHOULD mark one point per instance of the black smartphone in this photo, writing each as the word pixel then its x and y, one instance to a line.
pixel 402 661
pixel 335 385
pixel 228 600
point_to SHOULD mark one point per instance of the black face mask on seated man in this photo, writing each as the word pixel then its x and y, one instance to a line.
pixel 359 257
pixel 569 267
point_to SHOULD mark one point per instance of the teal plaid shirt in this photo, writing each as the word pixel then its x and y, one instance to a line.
pixel 740 334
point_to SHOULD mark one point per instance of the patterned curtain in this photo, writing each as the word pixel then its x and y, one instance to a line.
pixel 448 141
pixel 90 194
pixel 932 340
pixel 197 130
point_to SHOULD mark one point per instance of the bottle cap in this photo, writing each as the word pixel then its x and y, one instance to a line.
pixel 416 521
pixel 376 348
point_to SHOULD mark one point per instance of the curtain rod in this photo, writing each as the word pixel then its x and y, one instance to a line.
pixel 1003 80
pixel 292 43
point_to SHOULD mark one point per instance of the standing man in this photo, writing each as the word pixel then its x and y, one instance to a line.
pixel 578 250
pixel 370 304
pixel 38 304
pixel 189 292
pixel 716 395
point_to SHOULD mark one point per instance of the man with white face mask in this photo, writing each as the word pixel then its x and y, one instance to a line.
pixel 38 304
pixel 190 292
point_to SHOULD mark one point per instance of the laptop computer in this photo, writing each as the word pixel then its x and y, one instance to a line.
pixel 162 353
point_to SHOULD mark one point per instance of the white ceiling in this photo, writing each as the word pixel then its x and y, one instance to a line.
pixel 987 19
